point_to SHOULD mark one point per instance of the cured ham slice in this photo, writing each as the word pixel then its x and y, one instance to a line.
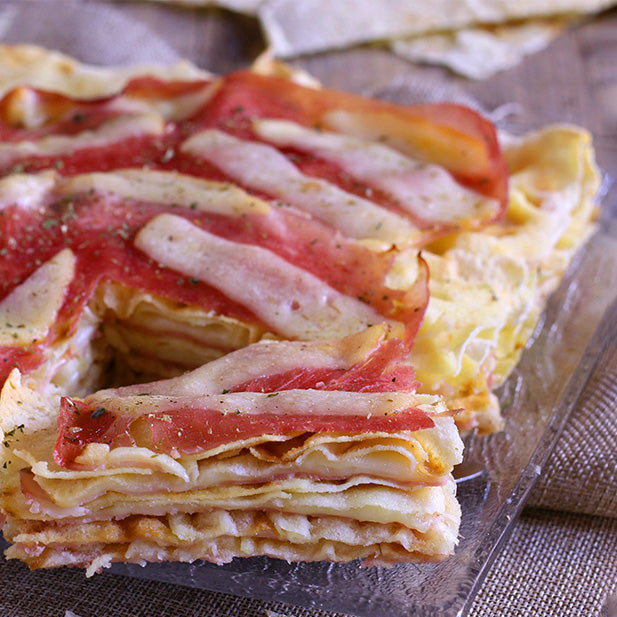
pixel 452 136
pixel 158 123
pixel 291 302
pixel 426 192
pixel 264 169
pixel 341 468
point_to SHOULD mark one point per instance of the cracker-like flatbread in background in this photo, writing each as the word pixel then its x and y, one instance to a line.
pixel 295 28
pixel 483 51
pixel 474 39
pixel 248 7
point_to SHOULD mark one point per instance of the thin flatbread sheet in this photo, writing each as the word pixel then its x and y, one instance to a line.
pixel 480 52
pixel 295 28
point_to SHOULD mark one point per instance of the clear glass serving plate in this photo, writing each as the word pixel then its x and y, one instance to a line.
pixel 499 470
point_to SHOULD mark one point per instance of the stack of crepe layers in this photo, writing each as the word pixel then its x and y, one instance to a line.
pixel 302 451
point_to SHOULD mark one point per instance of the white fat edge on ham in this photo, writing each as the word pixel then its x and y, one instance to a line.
pixel 295 303
pixel 30 310
pixel 263 168
pixel 257 360
pixel 310 403
pixel 163 187
pixel 427 192
pixel 171 108
pixel 110 132
pixel 415 138
pixel 27 191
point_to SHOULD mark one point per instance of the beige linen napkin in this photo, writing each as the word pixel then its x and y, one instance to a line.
pixel 556 564
pixel 582 472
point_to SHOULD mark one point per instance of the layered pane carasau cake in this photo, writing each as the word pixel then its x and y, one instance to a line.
pixel 242 316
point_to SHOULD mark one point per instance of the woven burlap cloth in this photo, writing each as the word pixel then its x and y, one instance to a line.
pixel 561 558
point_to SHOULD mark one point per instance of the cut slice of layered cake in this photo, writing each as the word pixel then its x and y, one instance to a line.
pixel 302 451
